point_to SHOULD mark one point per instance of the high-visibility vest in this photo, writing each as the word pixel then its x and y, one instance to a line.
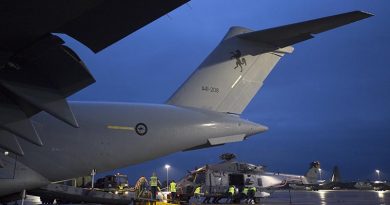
pixel 197 190
pixel 231 190
pixel 253 189
pixel 153 181
pixel 245 191
pixel 173 186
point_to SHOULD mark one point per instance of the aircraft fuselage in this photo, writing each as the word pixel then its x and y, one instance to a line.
pixel 113 135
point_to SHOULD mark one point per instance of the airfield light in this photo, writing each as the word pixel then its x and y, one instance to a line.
pixel 167 166
pixel 378 172
pixel 6 153
pixel 381 194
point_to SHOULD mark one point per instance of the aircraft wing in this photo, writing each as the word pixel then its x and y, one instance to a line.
pixel 38 72
pixel 294 33
pixel 95 23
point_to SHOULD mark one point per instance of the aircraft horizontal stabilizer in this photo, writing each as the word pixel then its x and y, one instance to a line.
pixel 10 143
pixel 234 72
pixel 227 139
pixel 312 174
pixel 214 142
pixel 203 146
pixel 294 33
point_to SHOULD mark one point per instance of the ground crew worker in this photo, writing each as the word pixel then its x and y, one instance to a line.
pixel 251 195
pixel 197 193
pixel 153 185
pixel 141 186
pixel 207 197
pixel 230 193
pixel 244 194
pixel 217 198
pixel 172 188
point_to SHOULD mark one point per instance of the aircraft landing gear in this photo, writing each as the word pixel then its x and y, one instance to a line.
pixel 47 200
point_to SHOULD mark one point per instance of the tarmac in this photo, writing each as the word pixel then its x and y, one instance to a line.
pixel 323 197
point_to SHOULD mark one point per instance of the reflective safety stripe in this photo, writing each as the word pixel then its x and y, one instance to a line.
pixel 245 191
pixel 173 186
pixel 231 190
pixel 153 181
pixel 197 190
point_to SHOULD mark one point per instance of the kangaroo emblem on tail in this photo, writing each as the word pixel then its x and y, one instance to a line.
pixel 239 61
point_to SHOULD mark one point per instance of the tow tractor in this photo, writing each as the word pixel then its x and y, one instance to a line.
pixel 117 184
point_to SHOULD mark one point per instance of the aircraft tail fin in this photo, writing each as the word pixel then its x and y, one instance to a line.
pixel 233 73
pixel 336 177
pixel 313 172
pixel 230 76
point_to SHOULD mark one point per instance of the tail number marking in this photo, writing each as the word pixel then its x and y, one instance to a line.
pixel 210 89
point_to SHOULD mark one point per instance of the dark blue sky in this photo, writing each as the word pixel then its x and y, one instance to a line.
pixel 328 101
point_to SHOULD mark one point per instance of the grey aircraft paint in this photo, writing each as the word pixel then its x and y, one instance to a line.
pixel 113 135
pixel 107 138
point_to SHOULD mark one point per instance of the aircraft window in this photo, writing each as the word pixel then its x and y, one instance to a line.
pixel 260 182
pixel 110 178
pixel 122 180
pixel 200 178
pixel 246 167
pixel 216 174
pixel 191 177
pixel 250 167
pixel 248 181
pixel 241 167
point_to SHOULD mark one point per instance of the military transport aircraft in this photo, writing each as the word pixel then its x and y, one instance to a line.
pixel 44 138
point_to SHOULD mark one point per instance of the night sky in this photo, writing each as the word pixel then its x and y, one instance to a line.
pixel 328 101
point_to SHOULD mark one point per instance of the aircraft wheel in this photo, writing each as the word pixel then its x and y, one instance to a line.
pixel 50 201
pixel 45 200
